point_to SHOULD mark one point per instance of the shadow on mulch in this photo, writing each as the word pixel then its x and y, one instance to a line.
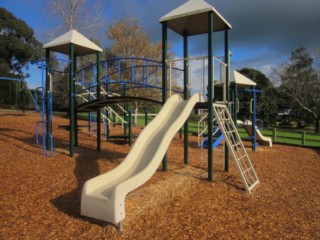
pixel 225 177
pixel 57 142
pixel 12 115
pixel 85 169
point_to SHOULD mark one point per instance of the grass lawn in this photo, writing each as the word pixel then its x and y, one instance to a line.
pixel 282 136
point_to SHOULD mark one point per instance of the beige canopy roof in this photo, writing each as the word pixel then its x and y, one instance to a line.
pixel 240 79
pixel 191 18
pixel 83 46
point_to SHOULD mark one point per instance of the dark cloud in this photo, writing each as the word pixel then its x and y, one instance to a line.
pixel 263 32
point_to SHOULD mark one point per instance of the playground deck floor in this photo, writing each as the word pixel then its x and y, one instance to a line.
pixel 40 197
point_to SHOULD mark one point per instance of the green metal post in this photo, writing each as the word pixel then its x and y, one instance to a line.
pixel 227 62
pixel 145 117
pixel 99 110
pixel 75 112
pixel 71 100
pixel 210 95
pixel 47 102
pixel 235 102
pixel 125 115
pixel 185 95
pixel 22 97
pixel 130 128
pixel 108 123
pixel 164 78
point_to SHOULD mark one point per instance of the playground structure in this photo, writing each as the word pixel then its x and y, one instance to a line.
pixel 18 92
pixel 192 18
pixel 240 82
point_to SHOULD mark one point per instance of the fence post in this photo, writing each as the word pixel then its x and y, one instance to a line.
pixel 303 138
pixel 274 134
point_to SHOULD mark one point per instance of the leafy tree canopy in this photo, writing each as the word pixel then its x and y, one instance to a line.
pixel 258 77
pixel 130 40
pixel 267 108
pixel 18 44
pixel 299 79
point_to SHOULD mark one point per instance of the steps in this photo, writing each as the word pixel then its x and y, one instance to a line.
pixel 235 145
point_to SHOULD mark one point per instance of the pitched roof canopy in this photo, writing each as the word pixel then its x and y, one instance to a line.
pixel 240 79
pixel 82 45
pixel 191 18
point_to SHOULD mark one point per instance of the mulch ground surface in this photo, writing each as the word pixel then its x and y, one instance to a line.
pixel 40 196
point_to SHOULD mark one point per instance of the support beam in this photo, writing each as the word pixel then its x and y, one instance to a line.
pixel 227 62
pixel 235 102
pixel 47 101
pixel 210 95
pixel 185 94
pixel 99 110
pixel 164 77
pixel 254 119
pixel 71 100
pixel 75 113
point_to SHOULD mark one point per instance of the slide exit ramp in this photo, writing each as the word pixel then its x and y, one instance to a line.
pixel 235 145
pixel 217 138
pixel 103 197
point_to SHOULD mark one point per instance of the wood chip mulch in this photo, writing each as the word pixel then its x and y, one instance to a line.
pixel 40 196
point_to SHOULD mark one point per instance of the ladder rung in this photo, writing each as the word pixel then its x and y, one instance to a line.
pixel 253 185
pixel 247 170
pixel 232 131
pixel 240 158
pixel 236 144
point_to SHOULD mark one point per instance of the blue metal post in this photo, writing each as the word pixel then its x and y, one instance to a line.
pixel 254 120
pixel 47 97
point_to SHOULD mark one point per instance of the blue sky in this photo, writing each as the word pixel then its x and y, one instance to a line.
pixel 263 32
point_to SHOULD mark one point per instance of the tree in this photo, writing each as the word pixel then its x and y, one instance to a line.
pixel 267 109
pixel 18 46
pixel 130 40
pixel 300 80
pixel 81 15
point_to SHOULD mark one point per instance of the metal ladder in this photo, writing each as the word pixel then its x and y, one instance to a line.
pixel 235 145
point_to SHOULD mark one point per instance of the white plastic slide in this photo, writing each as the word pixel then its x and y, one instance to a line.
pixel 103 197
pixel 264 140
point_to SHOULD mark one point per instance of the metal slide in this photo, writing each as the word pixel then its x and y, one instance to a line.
pixel 103 197
pixel 263 139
